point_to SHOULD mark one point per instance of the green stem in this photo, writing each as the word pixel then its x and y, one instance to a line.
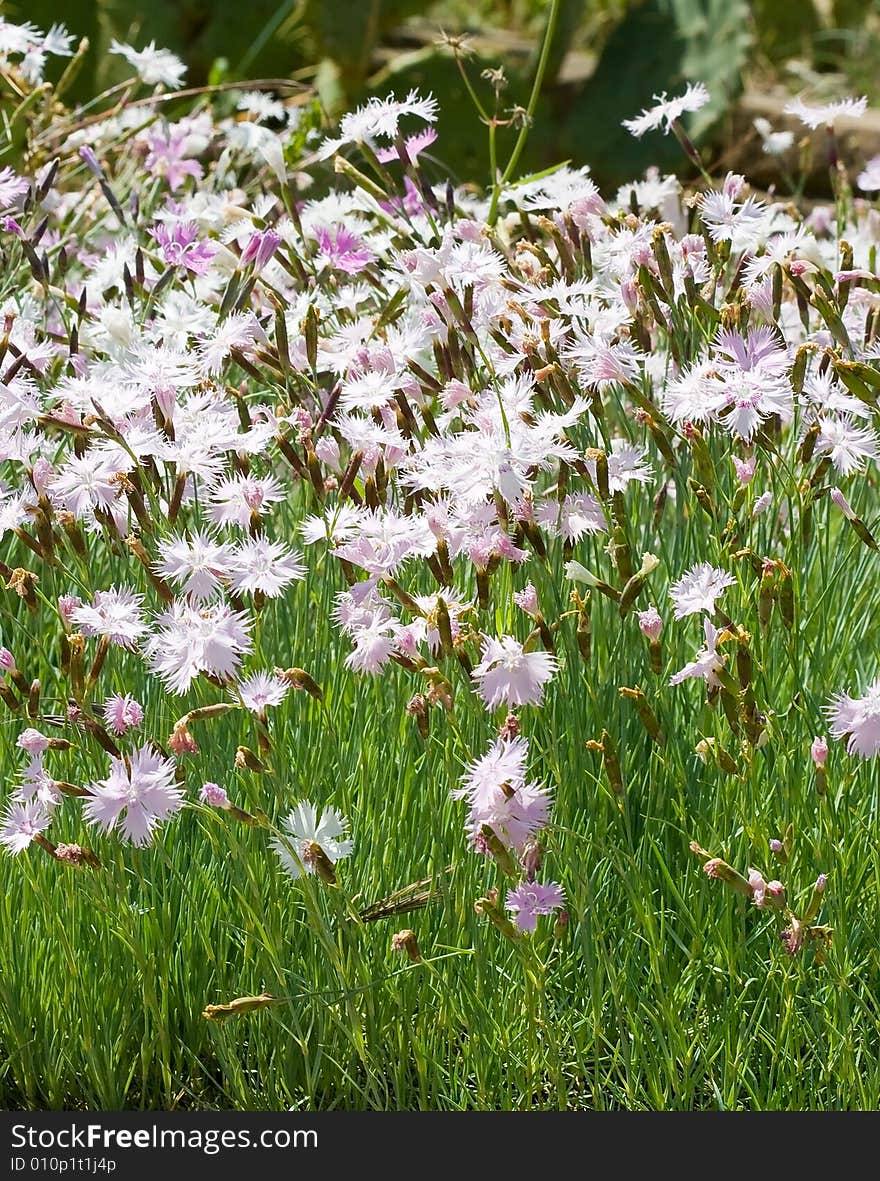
pixel 497 185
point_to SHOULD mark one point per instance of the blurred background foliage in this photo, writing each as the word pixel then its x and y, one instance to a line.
pixel 609 58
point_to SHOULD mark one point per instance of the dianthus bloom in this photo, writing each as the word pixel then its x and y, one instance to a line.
pixel 191 640
pixel 12 186
pixel 180 246
pixel 668 110
pixel 214 795
pixel 262 690
pixel 698 589
pixel 819 750
pixel 23 822
pixel 868 179
pixel 857 720
pixel 168 157
pixel 509 675
pixel 707 663
pixel 500 796
pixel 307 826
pixel 32 741
pixel 342 250
pixel 154 66
pixel 530 899
pixel 143 789
pixel 121 712
pixel 379 117
pixel 650 623
pixel 114 614
pixel 816 116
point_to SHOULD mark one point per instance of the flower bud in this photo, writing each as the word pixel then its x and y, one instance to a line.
pixel 241 1004
pixel 819 751
pixel 406 941
pixel 214 794
pixel 650 623
pixel 181 741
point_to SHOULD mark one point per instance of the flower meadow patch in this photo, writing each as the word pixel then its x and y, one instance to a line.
pixel 376 548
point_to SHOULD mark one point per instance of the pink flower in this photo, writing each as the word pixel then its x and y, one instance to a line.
pixel 67 604
pixel 37 783
pixel 215 795
pixel 7 660
pixel 190 640
pixel 530 899
pixel 369 623
pixel 180 247
pixel 843 504
pixel 759 888
pixel 260 247
pixel 650 623
pixel 509 675
pixel 122 713
pixel 342 250
pixel 819 751
pixel 527 600
pixel 413 145
pixel 12 186
pixel 762 503
pixel 499 795
pixel 32 741
pixel 503 765
pixel 513 813
pixel 144 790
pixel 236 499
pixel 168 158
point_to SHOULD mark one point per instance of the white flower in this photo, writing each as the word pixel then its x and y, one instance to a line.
pixel 775 142
pixel 869 179
pixel 264 566
pixel 668 110
pixel 507 674
pixel 846 445
pixel 698 589
pixel 379 116
pixel 196 564
pixel 154 66
pixel 306 825
pixel 261 690
pixel 859 718
pixel 707 662
pixel 824 115
pixel 22 822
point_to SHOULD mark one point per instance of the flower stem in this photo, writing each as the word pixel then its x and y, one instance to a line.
pixel 498 184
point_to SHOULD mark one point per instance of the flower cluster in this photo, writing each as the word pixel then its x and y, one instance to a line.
pixel 230 370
